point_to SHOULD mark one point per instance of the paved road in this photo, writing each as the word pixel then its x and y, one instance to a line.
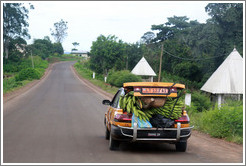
pixel 61 121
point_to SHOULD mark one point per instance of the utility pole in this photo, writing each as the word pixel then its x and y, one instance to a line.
pixel 127 62
pixel 159 77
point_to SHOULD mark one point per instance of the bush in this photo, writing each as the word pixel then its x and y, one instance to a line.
pixel 226 122
pixel 10 67
pixel 200 101
pixel 28 74
pixel 120 77
pixel 13 67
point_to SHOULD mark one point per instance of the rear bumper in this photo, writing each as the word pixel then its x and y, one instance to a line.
pixel 151 134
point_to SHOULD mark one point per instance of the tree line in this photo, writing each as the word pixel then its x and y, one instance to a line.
pixel 191 50
pixel 15 34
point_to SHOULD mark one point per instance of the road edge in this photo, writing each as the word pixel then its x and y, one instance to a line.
pixel 11 95
pixel 90 85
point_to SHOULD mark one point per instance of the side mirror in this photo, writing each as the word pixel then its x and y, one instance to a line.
pixel 106 102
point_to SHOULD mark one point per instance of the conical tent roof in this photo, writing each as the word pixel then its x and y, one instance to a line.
pixel 228 78
pixel 143 68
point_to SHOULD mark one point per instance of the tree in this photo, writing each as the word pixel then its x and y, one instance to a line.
pixel 58 49
pixel 107 53
pixel 178 22
pixel 148 37
pixel 41 47
pixel 75 44
pixel 15 23
pixel 228 21
pixel 60 31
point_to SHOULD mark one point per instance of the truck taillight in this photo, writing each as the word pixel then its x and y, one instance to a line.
pixel 183 119
pixel 123 117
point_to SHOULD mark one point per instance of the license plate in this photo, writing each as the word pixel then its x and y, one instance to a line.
pixel 154 134
pixel 155 90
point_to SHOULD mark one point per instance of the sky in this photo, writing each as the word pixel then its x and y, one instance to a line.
pixel 127 20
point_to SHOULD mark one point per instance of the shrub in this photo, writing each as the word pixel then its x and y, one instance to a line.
pixel 28 74
pixel 224 122
pixel 10 67
pixel 120 77
pixel 200 101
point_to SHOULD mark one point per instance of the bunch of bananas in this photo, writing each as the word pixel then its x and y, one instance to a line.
pixel 167 108
pixel 133 104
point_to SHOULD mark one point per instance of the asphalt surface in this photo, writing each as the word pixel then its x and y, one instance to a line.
pixel 61 121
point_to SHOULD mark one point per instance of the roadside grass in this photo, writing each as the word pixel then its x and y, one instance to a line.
pixel 9 84
pixel 18 74
pixel 225 123
pixel 98 81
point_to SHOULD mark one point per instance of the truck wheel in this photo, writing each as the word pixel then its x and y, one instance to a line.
pixel 181 146
pixel 113 144
pixel 106 133
pixel 106 130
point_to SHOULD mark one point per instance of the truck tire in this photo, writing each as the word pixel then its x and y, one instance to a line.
pixel 181 146
pixel 113 144
pixel 106 133
pixel 106 130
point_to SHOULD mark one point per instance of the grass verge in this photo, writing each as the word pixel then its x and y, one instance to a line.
pixel 225 123
pixel 98 81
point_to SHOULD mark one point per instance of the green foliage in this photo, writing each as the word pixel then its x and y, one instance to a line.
pixel 44 48
pixel 21 72
pixel 13 67
pixel 190 85
pixel 188 70
pixel 228 21
pixel 119 77
pixel 58 49
pixel 107 53
pixel 75 44
pixel 10 84
pixel 200 102
pixel 85 72
pixel 28 74
pixel 41 47
pixel 81 68
pixel 226 122
pixel 15 16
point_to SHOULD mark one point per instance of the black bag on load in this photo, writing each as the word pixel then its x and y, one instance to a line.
pixel 160 121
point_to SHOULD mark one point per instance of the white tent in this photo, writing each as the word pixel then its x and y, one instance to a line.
pixel 228 78
pixel 143 69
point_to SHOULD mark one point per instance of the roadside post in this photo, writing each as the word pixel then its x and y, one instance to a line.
pixel 188 99
pixel 159 77
pixel 32 60
pixel 94 74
